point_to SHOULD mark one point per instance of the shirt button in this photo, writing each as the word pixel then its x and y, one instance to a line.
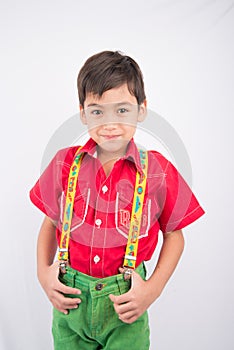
pixel 96 259
pixel 98 222
pixel 99 286
pixel 104 189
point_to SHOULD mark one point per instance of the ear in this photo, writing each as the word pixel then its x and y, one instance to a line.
pixel 142 111
pixel 82 115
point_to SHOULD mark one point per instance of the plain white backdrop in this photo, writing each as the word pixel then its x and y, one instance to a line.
pixel 185 50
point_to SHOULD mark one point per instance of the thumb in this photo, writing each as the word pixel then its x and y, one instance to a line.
pixel 112 297
pixel 136 279
pixel 121 269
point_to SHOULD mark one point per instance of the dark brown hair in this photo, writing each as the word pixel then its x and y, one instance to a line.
pixel 107 70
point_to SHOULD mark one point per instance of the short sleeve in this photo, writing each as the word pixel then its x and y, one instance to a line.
pixel 179 206
pixel 46 193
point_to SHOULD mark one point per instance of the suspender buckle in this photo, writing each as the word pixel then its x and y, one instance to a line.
pixel 62 266
pixel 127 273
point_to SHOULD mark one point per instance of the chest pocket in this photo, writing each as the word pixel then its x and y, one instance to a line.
pixel 123 210
pixel 80 209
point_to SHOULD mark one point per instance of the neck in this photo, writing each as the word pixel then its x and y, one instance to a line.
pixel 105 156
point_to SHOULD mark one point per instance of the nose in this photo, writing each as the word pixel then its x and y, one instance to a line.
pixel 109 126
pixel 110 121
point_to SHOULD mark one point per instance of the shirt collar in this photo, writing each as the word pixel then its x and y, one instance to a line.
pixel 89 147
pixel 132 152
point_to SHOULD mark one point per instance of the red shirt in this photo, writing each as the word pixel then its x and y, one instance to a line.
pixel 102 207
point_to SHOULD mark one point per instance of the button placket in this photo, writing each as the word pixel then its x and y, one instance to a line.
pixel 99 228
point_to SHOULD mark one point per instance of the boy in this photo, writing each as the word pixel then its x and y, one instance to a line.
pixel 105 204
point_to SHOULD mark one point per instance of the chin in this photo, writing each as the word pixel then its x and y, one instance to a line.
pixel 113 145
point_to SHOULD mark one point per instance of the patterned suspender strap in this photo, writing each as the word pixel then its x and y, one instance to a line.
pixel 68 211
pixel 135 223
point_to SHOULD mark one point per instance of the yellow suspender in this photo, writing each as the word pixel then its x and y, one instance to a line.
pixel 68 211
pixel 136 216
pixel 135 223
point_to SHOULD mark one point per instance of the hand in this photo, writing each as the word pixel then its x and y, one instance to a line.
pixel 55 290
pixel 131 305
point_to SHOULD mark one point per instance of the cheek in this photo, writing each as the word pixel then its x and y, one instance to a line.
pixel 93 134
pixel 92 128
pixel 129 130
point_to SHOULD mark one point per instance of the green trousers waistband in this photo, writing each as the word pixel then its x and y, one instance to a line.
pixel 98 286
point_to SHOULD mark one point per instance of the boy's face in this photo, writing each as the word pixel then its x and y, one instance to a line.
pixel 112 118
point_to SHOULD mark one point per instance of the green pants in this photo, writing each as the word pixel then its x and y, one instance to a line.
pixel 95 324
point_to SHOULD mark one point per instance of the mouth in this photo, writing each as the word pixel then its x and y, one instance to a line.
pixel 110 137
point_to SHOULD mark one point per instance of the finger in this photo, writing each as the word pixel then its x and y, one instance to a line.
pixel 67 290
pixel 127 315
pixel 121 270
pixel 64 311
pixel 56 267
pixel 71 303
pixel 66 302
pixel 128 320
pixel 57 305
pixel 136 279
pixel 62 302
pixel 112 298
pixel 60 297
pixel 120 299
pixel 123 308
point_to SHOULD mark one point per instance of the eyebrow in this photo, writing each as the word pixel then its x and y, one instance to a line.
pixel 93 104
pixel 117 104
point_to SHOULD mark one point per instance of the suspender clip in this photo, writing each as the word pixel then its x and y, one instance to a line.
pixel 62 266
pixel 127 273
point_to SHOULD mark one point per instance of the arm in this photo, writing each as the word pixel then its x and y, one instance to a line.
pixel 48 271
pixel 131 305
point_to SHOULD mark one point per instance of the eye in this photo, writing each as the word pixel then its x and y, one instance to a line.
pixel 97 112
pixel 122 110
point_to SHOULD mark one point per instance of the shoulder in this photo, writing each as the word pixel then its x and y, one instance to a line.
pixel 65 156
pixel 157 163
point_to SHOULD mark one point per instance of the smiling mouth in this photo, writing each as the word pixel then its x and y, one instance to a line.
pixel 110 137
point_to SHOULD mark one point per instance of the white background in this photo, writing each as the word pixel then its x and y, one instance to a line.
pixel 185 50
